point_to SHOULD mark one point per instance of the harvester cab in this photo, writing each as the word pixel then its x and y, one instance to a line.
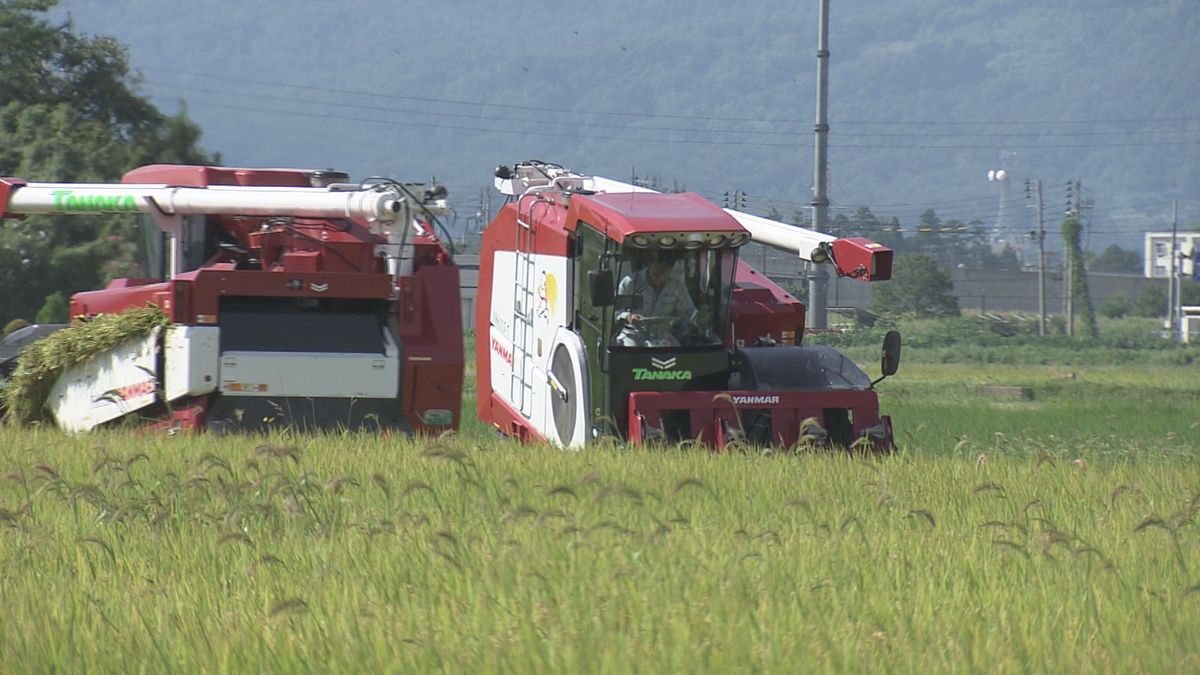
pixel 291 299
pixel 610 310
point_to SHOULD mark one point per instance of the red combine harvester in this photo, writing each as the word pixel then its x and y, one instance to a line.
pixel 611 310
pixel 294 299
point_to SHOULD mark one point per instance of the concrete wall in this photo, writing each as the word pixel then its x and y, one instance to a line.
pixel 468 283
pixel 987 290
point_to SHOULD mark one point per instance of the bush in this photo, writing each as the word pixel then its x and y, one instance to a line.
pixel 1013 340
pixel 55 309
pixel 13 326
pixel 1116 306
pixel 1151 301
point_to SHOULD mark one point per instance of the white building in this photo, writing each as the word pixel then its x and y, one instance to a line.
pixel 1156 260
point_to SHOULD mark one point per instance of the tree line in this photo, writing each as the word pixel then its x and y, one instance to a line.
pixel 70 112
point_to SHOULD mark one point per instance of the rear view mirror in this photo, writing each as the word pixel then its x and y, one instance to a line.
pixel 600 287
pixel 891 354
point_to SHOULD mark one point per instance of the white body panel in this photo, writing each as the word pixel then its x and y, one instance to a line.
pixel 553 303
pixel 108 385
pixel 191 356
pixel 125 379
pixel 341 375
pixel 791 238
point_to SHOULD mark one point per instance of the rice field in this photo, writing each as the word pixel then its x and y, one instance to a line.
pixel 1046 524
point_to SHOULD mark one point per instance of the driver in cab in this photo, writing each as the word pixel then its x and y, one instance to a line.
pixel 664 303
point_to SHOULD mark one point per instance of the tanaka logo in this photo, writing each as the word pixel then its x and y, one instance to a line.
pixel 756 400
pixel 663 369
pixel 67 200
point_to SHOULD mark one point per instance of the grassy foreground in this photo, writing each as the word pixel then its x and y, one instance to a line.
pixel 1056 531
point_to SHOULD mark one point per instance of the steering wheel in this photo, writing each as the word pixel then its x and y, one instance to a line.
pixel 654 321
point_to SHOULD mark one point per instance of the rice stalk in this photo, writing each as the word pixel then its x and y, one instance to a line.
pixel 40 365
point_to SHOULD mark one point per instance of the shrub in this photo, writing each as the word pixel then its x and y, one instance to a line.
pixel 1116 306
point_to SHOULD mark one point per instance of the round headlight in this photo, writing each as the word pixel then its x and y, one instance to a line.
pixel 666 241
pixel 694 240
pixel 738 238
pixel 715 240
pixel 641 240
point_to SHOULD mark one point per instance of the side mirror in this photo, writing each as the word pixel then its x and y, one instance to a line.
pixel 600 286
pixel 891 354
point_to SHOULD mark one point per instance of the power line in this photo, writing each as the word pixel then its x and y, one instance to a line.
pixel 541 121
pixel 642 115
pixel 653 139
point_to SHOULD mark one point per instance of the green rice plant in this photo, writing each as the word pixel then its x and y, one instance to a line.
pixel 1042 535
pixel 39 366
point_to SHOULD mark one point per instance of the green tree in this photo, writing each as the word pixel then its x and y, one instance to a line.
pixel 1072 233
pixel 799 217
pixel 929 239
pixel 1152 300
pixel 54 310
pixel 69 112
pixel 918 288
pixel 1116 259
pixel 840 225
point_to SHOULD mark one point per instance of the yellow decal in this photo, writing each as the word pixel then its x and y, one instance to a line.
pixel 547 292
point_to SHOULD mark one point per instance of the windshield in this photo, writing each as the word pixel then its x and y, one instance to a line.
pixel 804 367
pixel 672 298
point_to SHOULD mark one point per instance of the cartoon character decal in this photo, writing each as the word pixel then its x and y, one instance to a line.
pixel 547 295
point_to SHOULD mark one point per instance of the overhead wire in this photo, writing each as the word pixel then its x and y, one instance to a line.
pixel 626 113
pixel 855 139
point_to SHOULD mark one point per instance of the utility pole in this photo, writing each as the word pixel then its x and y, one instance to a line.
pixel 818 279
pixel 1040 236
pixel 1069 263
pixel 1173 281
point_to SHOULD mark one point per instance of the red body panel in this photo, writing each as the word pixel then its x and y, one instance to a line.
pixel 713 416
pixel 430 327
pixel 761 309
pixel 184 175
pixel 862 259
pixel 198 293
pixel 6 188
pixel 621 215
pixel 508 421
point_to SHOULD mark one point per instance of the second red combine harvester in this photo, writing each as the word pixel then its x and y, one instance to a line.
pixel 293 300
pixel 609 310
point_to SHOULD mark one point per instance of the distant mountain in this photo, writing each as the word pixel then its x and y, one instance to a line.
pixel 926 96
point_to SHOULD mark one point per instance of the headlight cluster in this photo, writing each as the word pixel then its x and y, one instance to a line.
pixel 689 240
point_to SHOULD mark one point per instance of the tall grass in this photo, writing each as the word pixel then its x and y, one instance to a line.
pixel 1000 538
